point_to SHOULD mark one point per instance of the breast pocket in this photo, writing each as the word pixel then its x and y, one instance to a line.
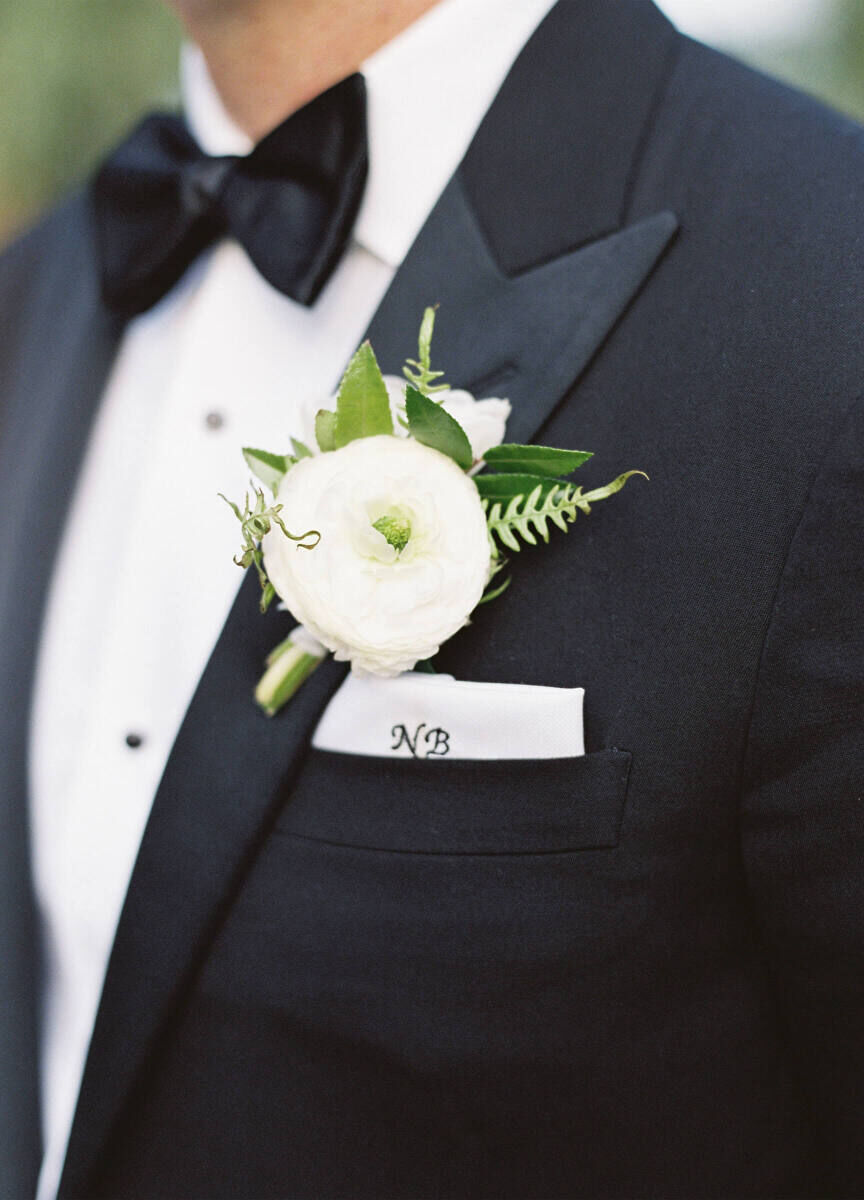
pixel 426 951
pixel 519 806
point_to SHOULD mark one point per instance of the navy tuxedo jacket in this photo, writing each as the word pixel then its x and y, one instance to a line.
pixel 635 974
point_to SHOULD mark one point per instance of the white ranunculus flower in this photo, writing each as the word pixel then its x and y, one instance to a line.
pixel 484 421
pixel 403 557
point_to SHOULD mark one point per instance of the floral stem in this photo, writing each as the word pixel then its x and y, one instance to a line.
pixel 288 666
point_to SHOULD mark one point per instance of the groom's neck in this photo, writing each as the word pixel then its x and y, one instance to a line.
pixel 268 58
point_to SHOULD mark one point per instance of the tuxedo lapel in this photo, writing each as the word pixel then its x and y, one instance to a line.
pixel 60 372
pixel 532 250
pixel 528 337
pixel 526 333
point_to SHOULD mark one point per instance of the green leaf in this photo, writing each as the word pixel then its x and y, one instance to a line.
pixel 325 430
pixel 536 460
pixel 271 469
pixel 430 424
pixel 268 595
pixel 301 450
pixel 502 487
pixel 362 405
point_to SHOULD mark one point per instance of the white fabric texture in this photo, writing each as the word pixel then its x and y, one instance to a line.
pixel 436 717
pixel 144 579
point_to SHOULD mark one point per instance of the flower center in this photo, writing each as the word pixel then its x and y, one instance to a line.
pixel 395 529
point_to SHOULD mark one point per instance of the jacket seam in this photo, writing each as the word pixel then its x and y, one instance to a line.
pixel 839 425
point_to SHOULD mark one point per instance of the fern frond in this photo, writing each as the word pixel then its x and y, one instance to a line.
pixel 528 516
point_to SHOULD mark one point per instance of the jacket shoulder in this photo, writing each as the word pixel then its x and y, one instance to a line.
pixel 59 238
pixel 54 257
pixel 768 185
pixel 759 144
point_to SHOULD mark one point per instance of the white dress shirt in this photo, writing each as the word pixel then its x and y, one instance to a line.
pixel 144 579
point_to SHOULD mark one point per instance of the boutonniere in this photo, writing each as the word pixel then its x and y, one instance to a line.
pixel 384 536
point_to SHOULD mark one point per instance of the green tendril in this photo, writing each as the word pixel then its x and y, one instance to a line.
pixel 255 523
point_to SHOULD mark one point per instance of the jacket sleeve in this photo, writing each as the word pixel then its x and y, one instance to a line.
pixel 802 822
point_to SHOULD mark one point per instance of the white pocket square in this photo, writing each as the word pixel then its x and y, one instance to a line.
pixel 438 717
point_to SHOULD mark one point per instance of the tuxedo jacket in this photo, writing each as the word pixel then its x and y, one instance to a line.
pixel 637 973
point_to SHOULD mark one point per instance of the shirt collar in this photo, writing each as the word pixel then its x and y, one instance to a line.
pixel 428 90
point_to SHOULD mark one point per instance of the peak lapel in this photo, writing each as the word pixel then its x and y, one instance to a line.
pixel 60 373
pixel 519 318
pixel 529 251
pixel 527 337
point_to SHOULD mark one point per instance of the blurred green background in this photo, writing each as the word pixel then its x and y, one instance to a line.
pixel 74 74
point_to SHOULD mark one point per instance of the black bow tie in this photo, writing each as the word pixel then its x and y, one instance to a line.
pixel 159 201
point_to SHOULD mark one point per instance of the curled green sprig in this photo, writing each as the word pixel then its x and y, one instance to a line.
pixel 255 523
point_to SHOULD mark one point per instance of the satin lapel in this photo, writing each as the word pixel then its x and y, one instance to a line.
pixel 528 337
pixel 60 372
pixel 526 332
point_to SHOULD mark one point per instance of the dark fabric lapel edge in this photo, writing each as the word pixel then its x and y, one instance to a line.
pixel 527 335
pixel 56 353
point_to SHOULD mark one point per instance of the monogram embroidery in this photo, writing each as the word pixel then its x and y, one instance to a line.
pixel 434 743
